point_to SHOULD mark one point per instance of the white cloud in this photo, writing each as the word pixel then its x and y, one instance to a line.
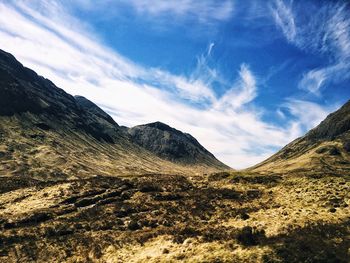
pixel 204 11
pixel 194 88
pixel 307 114
pixel 338 31
pixel 210 48
pixel 313 80
pixel 280 114
pixel 75 60
pixel 284 19
pixel 322 28
pixel 242 92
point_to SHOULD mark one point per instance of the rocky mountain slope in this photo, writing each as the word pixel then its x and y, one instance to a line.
pixel 325 148
pixel 47 133
pixel 173 145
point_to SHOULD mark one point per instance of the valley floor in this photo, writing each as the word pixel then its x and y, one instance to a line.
pixel 224 217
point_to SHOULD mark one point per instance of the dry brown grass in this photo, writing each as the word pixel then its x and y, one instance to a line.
pixel 244 217
pixel 63 154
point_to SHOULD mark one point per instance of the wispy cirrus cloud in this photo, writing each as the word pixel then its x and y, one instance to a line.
pixel 62 50
pixel 320 28
pixel 284 18
pixel 313 26
pixel 210 48
pixel 244 90
pixel 308 114
pixel 205 11
pixel 314 79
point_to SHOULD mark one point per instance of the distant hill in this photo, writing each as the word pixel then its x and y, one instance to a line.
pixel 47 133
pixel 173 145
pixel 324 148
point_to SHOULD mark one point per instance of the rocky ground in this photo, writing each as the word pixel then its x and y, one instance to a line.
pixel 224 217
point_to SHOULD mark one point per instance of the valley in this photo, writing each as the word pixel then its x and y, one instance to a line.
pixel 226 217
pixel 77 187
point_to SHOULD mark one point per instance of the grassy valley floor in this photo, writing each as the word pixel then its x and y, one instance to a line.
pixel 224 217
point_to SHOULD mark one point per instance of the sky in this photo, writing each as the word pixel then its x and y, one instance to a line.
pixel 243 77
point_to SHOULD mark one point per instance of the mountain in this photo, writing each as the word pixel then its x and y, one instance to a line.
pixel 173 145
pixel 326 148
pixel 77 187
pixel 47 133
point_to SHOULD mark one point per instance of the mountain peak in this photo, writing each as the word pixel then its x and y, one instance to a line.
pixel 172 144
pixel 160 125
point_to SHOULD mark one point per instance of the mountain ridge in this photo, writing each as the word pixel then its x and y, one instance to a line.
pixel 323 148
pixel 52 123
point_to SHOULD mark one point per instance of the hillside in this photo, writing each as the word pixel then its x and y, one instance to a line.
pixel 47 133
pixel 326 148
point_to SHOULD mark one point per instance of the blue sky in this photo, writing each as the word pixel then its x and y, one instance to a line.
pixel 243 77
